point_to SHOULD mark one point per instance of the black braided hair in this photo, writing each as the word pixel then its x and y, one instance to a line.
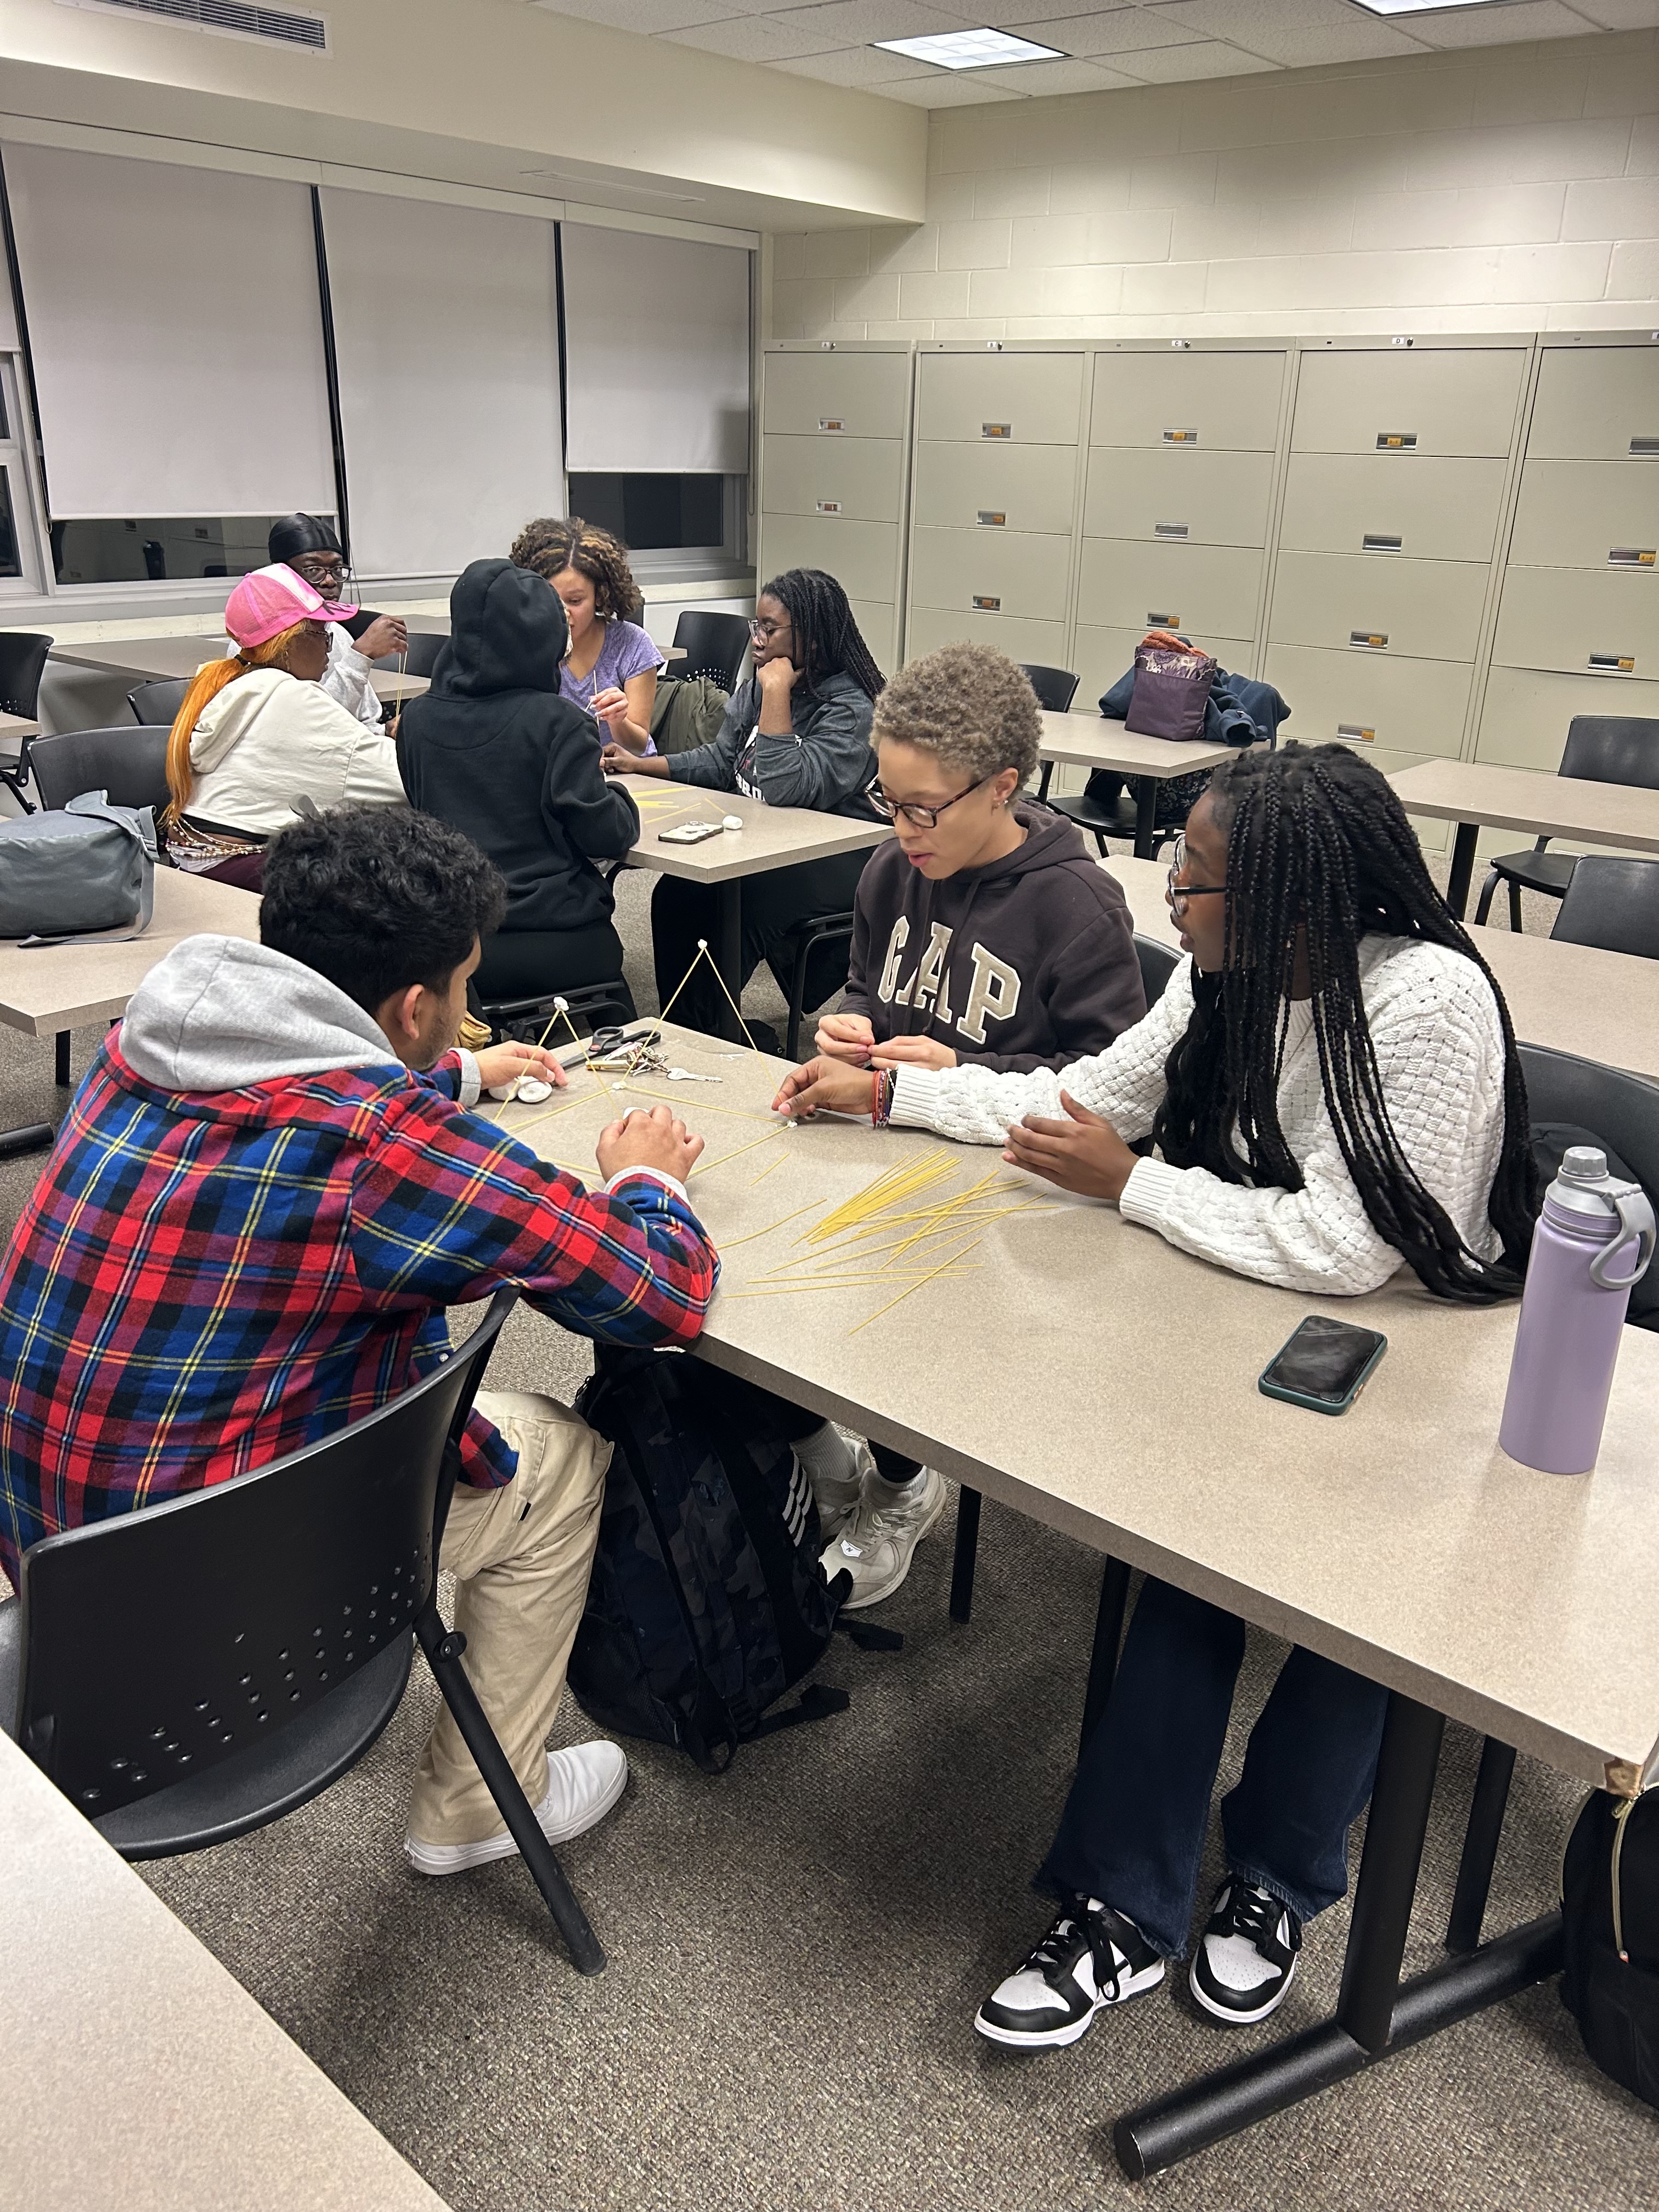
pixel 827 640
pixel 1319 850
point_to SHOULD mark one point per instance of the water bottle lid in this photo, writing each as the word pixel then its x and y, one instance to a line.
pixel 1584 1164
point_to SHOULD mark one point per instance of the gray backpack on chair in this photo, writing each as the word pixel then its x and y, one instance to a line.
pixel 88 869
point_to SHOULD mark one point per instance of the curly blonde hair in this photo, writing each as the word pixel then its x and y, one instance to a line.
pixel 969 704
pixel 553 542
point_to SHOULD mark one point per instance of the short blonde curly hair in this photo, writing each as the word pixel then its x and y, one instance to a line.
pixel 969 704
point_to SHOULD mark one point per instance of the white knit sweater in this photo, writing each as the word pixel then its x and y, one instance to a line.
pixel 1439 1049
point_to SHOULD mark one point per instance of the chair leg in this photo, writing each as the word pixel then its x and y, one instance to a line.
pixel 1483 906
pixel 797 995
pixel 966 1554
pixel 1514 908
pixel 443 1649
pixel 16 782
pixel 1043 786
pixel 60 1063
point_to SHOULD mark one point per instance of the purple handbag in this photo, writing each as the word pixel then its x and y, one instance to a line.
pixel 1172 690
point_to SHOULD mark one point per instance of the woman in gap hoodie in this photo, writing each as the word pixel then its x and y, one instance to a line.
pixel 493 750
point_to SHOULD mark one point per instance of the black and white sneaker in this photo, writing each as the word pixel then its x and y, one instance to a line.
pixel 1090 1956
pixel 1247 1958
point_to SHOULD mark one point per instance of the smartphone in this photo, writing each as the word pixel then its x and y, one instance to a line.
pixel 689 833
pixel 1324 1365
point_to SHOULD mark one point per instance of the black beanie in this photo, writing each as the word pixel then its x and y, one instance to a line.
pixel 292 535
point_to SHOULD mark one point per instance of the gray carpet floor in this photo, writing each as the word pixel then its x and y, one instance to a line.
pixel 797 1947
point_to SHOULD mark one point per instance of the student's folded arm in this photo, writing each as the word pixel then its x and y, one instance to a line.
pixel 595 811
pixel 372 777
pixel 715 766
pixel 447 1209
pixel 821 768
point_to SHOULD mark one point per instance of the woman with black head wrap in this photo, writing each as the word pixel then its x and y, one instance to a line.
pixel 307 544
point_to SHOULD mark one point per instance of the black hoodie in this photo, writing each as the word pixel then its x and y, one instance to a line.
pixel 1029 962
pixel 493 750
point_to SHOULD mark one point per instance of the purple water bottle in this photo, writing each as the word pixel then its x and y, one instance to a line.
pixel 1594 1240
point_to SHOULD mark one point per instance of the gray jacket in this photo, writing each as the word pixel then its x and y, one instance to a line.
pixel 825 762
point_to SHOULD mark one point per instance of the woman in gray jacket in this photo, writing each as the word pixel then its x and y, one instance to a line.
pixel 797 734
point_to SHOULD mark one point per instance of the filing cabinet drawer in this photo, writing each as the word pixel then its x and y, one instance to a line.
pixel 1204 591
pixel 1019 573
pixel 1587 515
pixel 1598 404
pixel 1100 656
pixel 849 395
pixel 1376 605
pixel 1421 505
pixel 1041 643
pixel 961 487
pixel 1406 705
pixel 877 621
pixel 861 478
pixel 1524 720
pixel 862 556
pixel 1186 497
pixel 1228 400
pixel 1015 399
pixel 1579 621
pixel 1450 402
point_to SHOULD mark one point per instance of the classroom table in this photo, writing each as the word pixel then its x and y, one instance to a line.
pixel 48 990
pixel 1091 741
pixel 394 683
pixel 438 626
pixel 145 659
pixel 769 837
pixel 1472 793
pixel 18 726
pixel 137 2072
pixel 1398 1541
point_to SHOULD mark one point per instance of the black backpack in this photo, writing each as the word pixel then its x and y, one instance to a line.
pixel 1610 1930
pixel 706 1601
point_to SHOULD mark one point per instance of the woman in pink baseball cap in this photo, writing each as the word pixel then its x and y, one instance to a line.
pixel 256 731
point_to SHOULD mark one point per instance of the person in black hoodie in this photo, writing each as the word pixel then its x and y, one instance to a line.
pixel 493 750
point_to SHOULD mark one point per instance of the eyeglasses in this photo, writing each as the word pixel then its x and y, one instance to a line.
pixel 921 818
pixel 1180 893
pixel 761 631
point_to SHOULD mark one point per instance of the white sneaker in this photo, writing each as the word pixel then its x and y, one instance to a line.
pixel 838 1501
pixel 878 1547
pixel 583 1783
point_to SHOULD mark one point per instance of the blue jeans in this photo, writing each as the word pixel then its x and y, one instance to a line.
pixel 1133 1828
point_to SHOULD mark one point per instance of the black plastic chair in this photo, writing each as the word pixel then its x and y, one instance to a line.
pixel 1611 903
pixel 1119 818
pixel 1055 687
pixel 192 1672
pixel 156 704
pixel 714 646
pixel 509 1017
pixel 22 656
pixel 1600 749
pixel 1158 964
pixel 803 940
pixel 1620 1109
pixel 129 763
pixel 420 659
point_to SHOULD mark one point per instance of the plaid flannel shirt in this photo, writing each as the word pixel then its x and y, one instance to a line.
pixel 202 1283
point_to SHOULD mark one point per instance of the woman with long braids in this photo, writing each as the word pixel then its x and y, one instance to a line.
pixel 1332 1083
pixel 796 734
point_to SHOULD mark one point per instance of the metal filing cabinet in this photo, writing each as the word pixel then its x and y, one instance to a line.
pixel 835 463
pixel 994 498
pixel 1577 628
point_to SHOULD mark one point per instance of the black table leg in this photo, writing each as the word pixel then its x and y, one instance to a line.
pixel 1480 1841
pixel 1398 1822
pixel 60 1062
pixel 1109 1634
pixel 1462 867
pixel 961 1568
pixel 1145 816
pixel 728 954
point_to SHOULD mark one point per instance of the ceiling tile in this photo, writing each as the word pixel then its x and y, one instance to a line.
pixel 1619 14
pixel 1109 31
pixel 1300 34
pixel 951 89
pixel 645 16
pixel 1493 26
pixel 1211 57
pixel 861 66
pixel 753 38
pixel 836 23
pixel 1047 79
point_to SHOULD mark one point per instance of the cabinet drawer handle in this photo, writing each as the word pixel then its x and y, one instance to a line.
pixel 1181 437
pixel 992 517
pixel 987 603
pixel 832 422
pixel 1375 542
pixel 1613 663
pixel 1644 448
pixel 1396 441
pixel 996 430
pixel 1357 732
pixel 1631 557
pixel 1163 622
pixel 829 507
pixel 1169 529
pixel 1373 640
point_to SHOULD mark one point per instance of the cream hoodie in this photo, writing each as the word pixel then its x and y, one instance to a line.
pixel 268 738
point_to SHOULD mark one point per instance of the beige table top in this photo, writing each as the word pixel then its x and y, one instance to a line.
pixel 65 986
pixel 438 626
pixel 17 725
pixel 394 683
pixel 1090 741
pixel 1054 1374
pixel 138 2073
pixel 1522 798
pixel 143 657
pixel 771 837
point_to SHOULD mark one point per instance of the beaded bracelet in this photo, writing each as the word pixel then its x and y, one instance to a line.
pixel 884 1082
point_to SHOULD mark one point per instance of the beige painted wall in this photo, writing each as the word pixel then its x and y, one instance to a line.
pixel 1510 188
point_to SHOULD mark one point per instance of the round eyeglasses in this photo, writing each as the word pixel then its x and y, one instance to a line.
pixel 1180 893
pixel 922 817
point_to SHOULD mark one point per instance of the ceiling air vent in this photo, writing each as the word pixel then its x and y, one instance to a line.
pixel 236 19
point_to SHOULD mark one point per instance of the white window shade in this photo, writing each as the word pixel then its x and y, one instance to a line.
pixel 176 333
pixel 656 353
pixel 447 345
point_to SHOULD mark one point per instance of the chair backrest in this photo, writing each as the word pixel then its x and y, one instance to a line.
pixel 1158 964
pixel 714 646
pixel 1609 903
pixel 130 764
pixel 421 657
pixel 159 1643
pixel 157 702
pixel 1622 1108
pixel 22 656
pixel 1055 687
pixel 1613 749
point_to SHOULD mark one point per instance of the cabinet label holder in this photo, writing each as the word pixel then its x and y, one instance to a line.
pixel 1631 557
pixel 1357 733
pixel 1376 541
pixel 992 517
pixel 1396 441
pixel 996 430
pixel 1613 663
pixel 1181 437
pixel 1161 621
pixel 832 422
pixel 1644 448
pixel 1169 529
pixel 828 506
pixel 987 602
pixel 1373 641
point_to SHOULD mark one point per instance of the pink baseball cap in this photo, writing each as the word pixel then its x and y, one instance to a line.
pixel 270 600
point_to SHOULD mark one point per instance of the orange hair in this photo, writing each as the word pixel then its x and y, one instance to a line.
pixel 208 683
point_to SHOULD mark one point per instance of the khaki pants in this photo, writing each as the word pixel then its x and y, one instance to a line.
pixel 521 1556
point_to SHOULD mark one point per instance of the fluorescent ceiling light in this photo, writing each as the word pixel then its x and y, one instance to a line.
pixel 963 50
pixel 1421 7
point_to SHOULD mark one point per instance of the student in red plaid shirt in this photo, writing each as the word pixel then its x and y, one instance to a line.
pixel 269 1188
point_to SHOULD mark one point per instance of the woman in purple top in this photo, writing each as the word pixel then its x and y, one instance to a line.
pixel 611 670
